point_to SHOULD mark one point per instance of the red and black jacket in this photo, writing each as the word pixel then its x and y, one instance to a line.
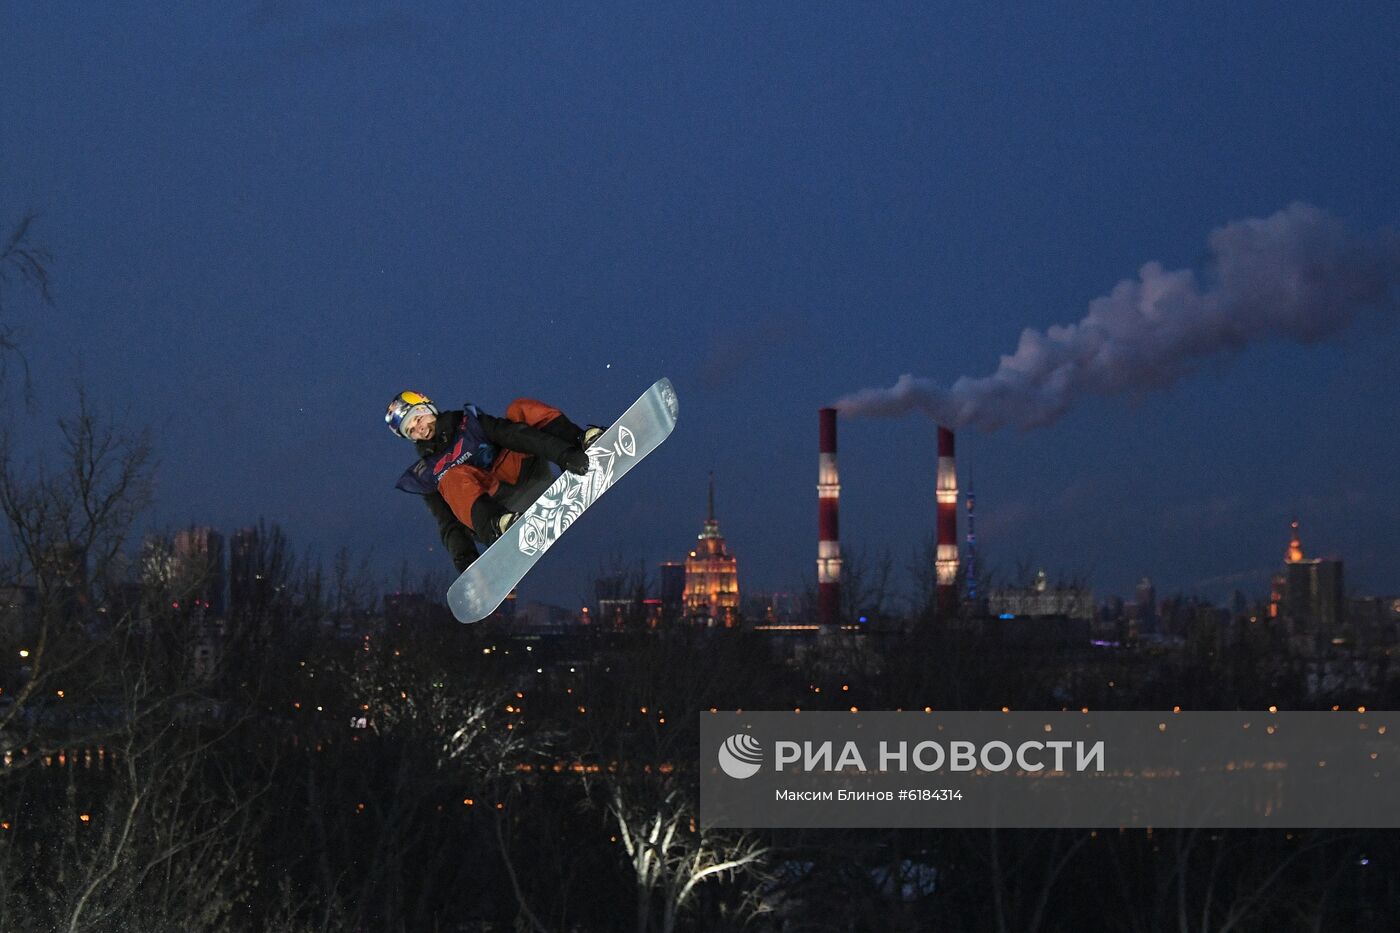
pixel 471 437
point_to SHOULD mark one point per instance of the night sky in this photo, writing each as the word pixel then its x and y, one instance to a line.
pixel 267 218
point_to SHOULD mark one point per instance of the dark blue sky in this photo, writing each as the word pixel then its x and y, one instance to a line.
pixel 267 218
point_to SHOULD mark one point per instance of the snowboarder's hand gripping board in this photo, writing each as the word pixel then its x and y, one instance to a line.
pixel 488 581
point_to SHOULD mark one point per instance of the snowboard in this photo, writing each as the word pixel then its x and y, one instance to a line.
pixel 484 585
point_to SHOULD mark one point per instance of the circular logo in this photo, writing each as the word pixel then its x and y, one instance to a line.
pixel 740 756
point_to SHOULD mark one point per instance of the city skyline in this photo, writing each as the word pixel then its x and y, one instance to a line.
pixel 710 575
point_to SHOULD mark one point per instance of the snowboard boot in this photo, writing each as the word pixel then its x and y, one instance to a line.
pixel 565 429
pixel 490 519
pixel 503 522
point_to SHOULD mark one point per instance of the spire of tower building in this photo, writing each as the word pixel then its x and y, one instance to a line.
pixel 1295 546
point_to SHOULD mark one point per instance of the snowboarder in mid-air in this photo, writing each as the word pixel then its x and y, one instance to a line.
pixel 477 472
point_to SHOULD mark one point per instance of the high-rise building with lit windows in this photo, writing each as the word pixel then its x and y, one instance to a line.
pixel 712 575
pixel 1311 593
pixel 199 561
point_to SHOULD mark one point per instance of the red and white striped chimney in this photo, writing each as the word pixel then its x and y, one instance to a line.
pixel 946 560
pixel 829 543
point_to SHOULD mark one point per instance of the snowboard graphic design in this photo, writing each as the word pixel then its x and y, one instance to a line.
pixel 488 581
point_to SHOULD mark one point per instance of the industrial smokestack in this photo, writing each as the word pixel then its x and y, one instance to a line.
pixel 971 544
pixel 829 538
pixel 946 561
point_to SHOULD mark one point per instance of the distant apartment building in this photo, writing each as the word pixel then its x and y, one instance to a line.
pixel 198 554
pixel 1041 599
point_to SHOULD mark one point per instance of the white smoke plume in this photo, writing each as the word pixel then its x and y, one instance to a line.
pixel 1300 275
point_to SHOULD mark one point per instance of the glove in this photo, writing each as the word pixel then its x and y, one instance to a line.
pixel 575 461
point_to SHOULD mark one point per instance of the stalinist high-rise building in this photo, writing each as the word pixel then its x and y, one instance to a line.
pixel 1308 593
pixel 712 575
